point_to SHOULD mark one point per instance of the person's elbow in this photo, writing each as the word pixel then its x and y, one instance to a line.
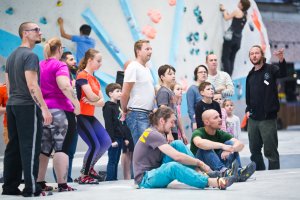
pixel 31 86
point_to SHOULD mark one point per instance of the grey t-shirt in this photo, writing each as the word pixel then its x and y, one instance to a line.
pixel 166 97
pixel 146 154
pixel 21 60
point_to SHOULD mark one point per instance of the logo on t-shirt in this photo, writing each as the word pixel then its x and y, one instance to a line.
pixel 267 76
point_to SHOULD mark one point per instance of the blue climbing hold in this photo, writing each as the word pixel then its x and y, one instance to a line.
pixel 192 51
pixel 189 38
pixel 9 11
pixel 205 36
pixel 43 20
pixel 196 36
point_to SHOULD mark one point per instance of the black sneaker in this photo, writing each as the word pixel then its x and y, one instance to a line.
pixel 233 171
pixel 225 182
pixel 11 192
pixel 36 194
pixel 246 172
pixel 64 188
pixel 44 187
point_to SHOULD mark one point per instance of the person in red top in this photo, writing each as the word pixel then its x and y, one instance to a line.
pixel 89 128
pixel 3 100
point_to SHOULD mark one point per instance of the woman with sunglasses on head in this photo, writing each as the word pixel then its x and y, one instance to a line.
pixel 63 105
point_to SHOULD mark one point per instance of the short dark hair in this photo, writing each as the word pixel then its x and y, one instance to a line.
pixel 112 87
pixel 23 27
pixel 85 29
pixel 203 85
pixel 64 55
pixel 162 70
pixel 245 4
pixel 196 71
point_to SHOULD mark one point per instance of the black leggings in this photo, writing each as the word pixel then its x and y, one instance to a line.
pixel 230 48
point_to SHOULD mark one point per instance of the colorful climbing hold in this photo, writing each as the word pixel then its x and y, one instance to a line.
pixel 154 15
pixel 205 36
pixel 199 19
pixel 192 51
pixel 9 11
pixel 196 36
pixel 149 31
pixel 59 3
pixel 43 20
pixel 172 2
pixel 196 11
pixel 197 51
pixel 189 38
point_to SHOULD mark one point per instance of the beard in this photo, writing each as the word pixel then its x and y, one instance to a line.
pixel 257 62
pixel 38 41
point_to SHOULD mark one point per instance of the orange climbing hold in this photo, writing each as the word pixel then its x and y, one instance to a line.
pixel 154 15
pixel 149 31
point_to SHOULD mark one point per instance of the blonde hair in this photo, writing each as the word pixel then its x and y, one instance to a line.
pixel 51 47
pixel 89 54
pixel 225 101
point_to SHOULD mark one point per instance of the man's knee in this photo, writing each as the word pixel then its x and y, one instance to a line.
pixel 173 167
pixel 228 142
pixel 177 143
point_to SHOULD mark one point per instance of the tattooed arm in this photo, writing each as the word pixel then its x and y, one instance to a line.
pixel 64 85
pixel 35 91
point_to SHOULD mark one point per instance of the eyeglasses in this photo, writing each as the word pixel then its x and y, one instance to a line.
pixel 37 30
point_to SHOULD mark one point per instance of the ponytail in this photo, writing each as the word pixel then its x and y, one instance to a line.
pixel 89 54
pixel 47 52
pixel 162 112
pixel 51 47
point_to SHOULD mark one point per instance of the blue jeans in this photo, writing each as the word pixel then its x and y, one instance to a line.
pixel 171 170
pixel 213 158
pixel 113 161
pixel 71 153
pixel 137 122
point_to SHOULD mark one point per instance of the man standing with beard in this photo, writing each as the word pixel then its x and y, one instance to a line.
pixel 262 107
pixel 138 91
pixel 26 109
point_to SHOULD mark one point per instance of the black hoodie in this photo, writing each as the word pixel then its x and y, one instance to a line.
pixel 266 96
pixel 113 125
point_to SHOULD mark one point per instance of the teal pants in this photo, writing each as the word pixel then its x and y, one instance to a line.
pixel 171 170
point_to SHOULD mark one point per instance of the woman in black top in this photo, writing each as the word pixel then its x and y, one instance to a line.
pixel 232 43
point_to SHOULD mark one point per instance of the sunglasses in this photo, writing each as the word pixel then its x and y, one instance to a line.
pixel 34 29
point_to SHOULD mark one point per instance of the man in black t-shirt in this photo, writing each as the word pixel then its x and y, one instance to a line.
pixel 26 109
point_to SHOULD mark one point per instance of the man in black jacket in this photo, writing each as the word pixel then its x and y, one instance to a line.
pixel 262 107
